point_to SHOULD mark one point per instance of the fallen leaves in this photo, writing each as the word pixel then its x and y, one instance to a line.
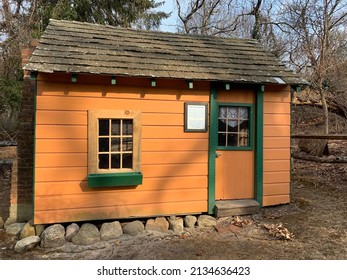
pixel 279 231
pixel 240 222
pixel 232 224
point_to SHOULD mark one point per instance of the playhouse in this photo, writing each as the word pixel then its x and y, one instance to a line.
pixel 132 123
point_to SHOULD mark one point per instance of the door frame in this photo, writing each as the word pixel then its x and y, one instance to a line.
pixel 258 144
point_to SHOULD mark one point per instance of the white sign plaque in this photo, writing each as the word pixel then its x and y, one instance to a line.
pixel 195 117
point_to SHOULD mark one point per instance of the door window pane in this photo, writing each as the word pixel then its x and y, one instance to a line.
pixel 233 126
pixel 232 140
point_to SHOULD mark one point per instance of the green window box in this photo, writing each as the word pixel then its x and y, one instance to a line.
pixel 115 179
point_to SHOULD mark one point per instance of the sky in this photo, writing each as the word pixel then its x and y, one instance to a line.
pixel 169 24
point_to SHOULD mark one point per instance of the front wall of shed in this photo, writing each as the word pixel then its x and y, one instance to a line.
pixel 276 178
pixel 174 163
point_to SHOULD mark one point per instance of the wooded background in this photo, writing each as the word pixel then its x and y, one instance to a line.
pixel 309 36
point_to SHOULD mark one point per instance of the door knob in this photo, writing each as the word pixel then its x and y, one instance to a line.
pixel 218 155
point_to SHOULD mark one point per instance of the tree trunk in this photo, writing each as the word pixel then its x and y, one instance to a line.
pixel 326 112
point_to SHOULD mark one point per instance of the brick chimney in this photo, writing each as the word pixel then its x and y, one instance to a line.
pixel 22 203
pixel 26 52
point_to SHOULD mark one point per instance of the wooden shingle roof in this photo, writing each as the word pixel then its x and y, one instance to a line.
pixel 75 47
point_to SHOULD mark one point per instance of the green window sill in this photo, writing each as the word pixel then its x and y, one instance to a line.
pixel 114 179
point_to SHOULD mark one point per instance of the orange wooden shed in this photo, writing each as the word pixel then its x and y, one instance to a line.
pixel 133 123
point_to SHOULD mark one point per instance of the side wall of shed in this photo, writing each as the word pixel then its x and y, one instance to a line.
pixel 276 188
pixel 174 163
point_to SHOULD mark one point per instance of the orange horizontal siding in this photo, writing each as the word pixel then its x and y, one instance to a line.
pixel 237 96
pixel 61 146
pixel 149 184
pixel 59 174
pixel 161 119
pixel 276 165
pixel 169 132
pixel 277 119
pixel 276 189
pixel 277 97
pixel 187 145
pixel 170 170
pixel 61 160
pixel 61 117
pixel 174 157
pixel 61 132
pixel 118 212
pixel 276 177
pixel 276 108
pixel 276 131
pixel 120 199
pixel 275 154
pixel 276 200
pixel 271 142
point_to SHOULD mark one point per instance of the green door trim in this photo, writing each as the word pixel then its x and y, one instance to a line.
pixel 213 141
pixel 213 135
pixel 259 147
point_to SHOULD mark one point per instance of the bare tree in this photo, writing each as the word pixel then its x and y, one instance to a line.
pixel 316 31
pixel 232 18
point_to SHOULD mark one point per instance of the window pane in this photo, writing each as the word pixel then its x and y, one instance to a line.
pixel 115 144
pixel 243 140
pixel 232 126
pixel 232 112
pixel 222 112
pixel 127 127
pixel 115 161
pixel 104 127
pixel 244 126
pixel 222 126
pixel 127 144
pixel 244 113
pixel 232 140
pixel 103 144
pixel 115 127
pixel 103 161
pixel 222 139
pixel 127 160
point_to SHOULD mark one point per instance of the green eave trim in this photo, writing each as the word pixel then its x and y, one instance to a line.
pixel 114 179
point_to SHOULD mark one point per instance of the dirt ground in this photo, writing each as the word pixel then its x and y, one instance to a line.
pixel 315 221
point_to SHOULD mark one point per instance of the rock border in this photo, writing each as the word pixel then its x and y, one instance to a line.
pixel 56 235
